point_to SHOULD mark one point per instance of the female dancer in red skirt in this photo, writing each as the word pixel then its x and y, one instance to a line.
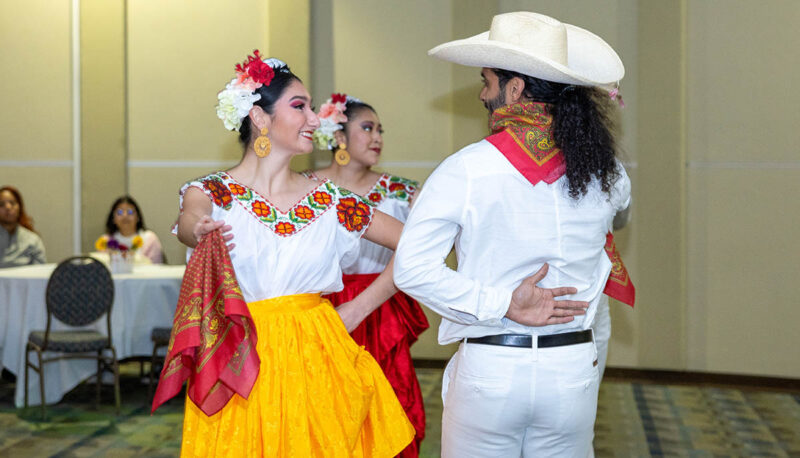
pixel 352 130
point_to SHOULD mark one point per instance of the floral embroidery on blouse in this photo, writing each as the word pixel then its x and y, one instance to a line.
pixel 218 191
pixel 392 187
pixel 322 198
pixel 285 228
pixel 353 212
pixel 223 190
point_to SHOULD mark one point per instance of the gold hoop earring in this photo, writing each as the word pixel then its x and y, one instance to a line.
pixel 342 156
pixel 262 145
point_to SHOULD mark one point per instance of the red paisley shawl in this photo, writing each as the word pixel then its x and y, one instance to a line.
pixel 522 132
pixel 213 341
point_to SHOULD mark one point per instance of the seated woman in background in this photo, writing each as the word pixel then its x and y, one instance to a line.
pixel 125 221
pixel 20 245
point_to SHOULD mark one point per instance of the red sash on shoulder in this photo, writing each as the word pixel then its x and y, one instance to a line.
pixel 547 166
pixel 619 284
pixel 213 341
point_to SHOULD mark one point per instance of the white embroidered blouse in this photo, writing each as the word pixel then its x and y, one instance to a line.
pixel 301 250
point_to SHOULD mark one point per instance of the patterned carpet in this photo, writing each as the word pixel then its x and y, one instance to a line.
pixel 694 421
pixel 633 420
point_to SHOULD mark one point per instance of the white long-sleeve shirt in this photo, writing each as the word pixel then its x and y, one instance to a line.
pixel 504 229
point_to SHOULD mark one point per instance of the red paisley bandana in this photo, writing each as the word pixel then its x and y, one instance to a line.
pixel 213 342
pixel 522 133
pixel 619 285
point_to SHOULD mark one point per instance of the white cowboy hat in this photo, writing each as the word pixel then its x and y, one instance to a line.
pixel 540 46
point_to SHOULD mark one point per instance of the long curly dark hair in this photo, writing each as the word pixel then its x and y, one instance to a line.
pixel 24 220
pixel 582 129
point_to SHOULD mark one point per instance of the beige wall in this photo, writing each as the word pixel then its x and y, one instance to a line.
pixel 743 174
pixel 36 115
pixel 372 64
pixel 708 135
pixel 661 194
pixel 103 122
pixel 180 55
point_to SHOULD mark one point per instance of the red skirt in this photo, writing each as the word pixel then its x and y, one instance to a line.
pixel 387 333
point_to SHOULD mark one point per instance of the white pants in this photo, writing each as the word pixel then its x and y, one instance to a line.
pixel 512 402
pixel 601 326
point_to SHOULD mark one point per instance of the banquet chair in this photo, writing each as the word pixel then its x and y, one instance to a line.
pixel 79 291
pixel 160 338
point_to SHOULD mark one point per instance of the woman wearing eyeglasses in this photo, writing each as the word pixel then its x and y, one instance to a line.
pixel 125 222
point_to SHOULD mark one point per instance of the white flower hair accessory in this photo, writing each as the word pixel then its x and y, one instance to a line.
pixel 235 104
pixel 238 97
pixel 331 116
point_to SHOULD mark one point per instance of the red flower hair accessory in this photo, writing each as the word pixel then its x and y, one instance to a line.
pixel 254 72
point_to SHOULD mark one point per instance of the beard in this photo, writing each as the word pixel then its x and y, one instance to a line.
pixel 495 103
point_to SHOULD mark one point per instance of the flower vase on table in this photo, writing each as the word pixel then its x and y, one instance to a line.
pixel 121 262
pixel 120 255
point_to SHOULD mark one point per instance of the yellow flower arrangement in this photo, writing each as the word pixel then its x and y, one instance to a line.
pixel 106 243
pixel 101 244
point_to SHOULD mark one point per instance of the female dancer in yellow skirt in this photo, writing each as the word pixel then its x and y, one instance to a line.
pixel 317 393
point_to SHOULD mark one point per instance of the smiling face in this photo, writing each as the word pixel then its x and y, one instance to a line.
pixel 293 121
pixel 363 135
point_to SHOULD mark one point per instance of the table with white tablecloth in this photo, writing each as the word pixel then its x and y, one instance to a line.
pixel 143 299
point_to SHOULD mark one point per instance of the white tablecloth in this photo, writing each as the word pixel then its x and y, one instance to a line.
pixel 143 299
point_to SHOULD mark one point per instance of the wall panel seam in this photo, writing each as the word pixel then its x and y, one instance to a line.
pixel 743 165
pixel 76 126
pixel 34 164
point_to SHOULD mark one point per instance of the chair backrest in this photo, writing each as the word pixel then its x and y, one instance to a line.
pixel 79 291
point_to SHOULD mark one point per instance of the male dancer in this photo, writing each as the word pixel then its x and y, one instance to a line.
pixel 539 193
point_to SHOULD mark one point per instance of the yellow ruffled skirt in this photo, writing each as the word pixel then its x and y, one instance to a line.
pixel 317 394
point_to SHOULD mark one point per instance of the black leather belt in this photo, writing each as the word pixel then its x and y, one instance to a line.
pixel 525 341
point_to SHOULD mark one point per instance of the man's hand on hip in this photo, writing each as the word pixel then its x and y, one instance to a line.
pixel 535 306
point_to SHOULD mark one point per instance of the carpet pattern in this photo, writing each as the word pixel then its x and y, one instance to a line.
pixel 633 420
